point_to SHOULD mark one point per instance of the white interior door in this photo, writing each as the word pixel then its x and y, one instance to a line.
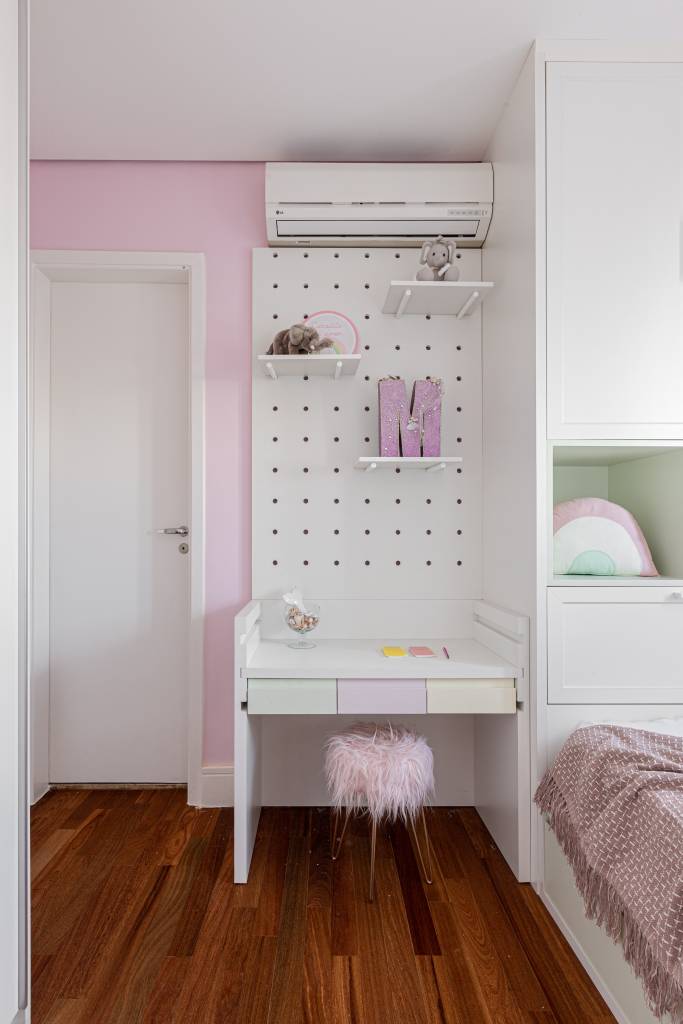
pixel 119 590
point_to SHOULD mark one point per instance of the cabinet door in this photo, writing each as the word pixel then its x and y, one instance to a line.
pixel 615 645
pixel 614 290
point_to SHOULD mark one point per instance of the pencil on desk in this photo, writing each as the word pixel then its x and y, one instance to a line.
pixel 445 651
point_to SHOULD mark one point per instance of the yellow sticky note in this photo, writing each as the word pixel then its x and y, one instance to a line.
pixel 393 652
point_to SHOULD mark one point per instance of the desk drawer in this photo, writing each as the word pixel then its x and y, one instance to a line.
pixel 381 697
pixel 471 696
pixel 292 696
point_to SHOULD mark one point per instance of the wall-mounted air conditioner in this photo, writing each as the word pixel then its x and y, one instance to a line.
pixel 377 204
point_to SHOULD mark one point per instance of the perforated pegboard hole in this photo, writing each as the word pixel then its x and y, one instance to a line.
pixel 367 533
pixel 336 408
pixel 336 561
pixel 336 285
pixel 428 348
pixel 275 316
pixel 274 531
pixel 459 470
pixel 275 255
pixel 367 440
pixel 306 376
pixel 367 348
pixel 428 562
pixel 274 469
pixel 428 316
pixel 397 500
pixel 336 501
pixel 459 501
pixel 305 439
pixel 305 469
pixel 458 408
pixel 428 501
pixel 459 532
pixel 366 408
pixel 305 286
pixel 274 501
pixel 366 500
pixel 305 408
pixel 366 255
pixel 336 469
pixel 397 470
pixel 367 378
pixel 305 532
pixel 397 532
pixel 275 285
pixel 397 255
pixel 398 561
pixel 459 440
pixel 336 439
pixel 305 255
pixel 336 255
pixel 458 562
pixel 366 285
pixel 305 501
pixel 458 348
pixel 458 379
pixel 275 561
pixel 428 532
pixel 397 347
pixel 367 316
pixel 336 533
pixel 274 408
pixel 305 561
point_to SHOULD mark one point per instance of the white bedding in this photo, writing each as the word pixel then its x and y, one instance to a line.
pixel 670 726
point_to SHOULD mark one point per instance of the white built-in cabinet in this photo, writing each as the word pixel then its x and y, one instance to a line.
pixel 615 645
pixel 614 151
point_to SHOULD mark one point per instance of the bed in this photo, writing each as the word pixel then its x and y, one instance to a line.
pixel 614 801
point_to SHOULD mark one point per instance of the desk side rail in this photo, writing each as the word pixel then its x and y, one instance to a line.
pixel 247 744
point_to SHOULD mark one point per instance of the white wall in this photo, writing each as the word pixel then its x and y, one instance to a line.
pixel 509 435
pixel 12 619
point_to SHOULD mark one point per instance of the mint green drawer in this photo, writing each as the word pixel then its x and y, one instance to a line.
pixel 292 696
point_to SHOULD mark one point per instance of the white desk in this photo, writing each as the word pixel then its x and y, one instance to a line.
pixel 485 675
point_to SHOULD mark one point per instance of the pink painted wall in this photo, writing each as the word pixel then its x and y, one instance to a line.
pixel 217 209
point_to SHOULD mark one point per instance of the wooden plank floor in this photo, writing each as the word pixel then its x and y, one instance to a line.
pixel 136 921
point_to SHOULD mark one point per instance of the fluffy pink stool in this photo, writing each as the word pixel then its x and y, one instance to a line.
pixel 386 770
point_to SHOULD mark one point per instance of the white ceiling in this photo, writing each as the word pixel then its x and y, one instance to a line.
pixel 297 80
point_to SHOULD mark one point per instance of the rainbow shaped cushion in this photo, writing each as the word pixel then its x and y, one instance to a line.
pixel 595 537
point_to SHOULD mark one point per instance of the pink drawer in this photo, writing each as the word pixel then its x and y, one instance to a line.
pixel 381 696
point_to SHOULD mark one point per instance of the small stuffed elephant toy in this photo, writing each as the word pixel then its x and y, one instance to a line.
pixel 298 340
pixel 438 257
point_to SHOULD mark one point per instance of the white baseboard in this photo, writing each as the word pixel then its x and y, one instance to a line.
pixel 217 786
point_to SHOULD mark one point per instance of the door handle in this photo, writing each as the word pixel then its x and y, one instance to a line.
pixel 174 531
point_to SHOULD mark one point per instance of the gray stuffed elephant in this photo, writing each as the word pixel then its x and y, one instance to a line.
pixel 298 340
pixel 438 257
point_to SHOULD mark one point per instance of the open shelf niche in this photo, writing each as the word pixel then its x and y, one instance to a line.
pixel 322 365
pixel 435 298
pixel 645 479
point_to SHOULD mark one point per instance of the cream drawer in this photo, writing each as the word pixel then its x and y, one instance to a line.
pixel 471 696
pixel 615 645
pixel 381 696
pixel 292 696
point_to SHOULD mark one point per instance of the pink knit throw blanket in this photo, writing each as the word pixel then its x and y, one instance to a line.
pixel 614 798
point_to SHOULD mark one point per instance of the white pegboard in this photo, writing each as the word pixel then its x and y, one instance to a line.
pixel 319 522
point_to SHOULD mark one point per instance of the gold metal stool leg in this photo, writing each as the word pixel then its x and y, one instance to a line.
pixel 373 849
pixel 426 871
pixel 337 843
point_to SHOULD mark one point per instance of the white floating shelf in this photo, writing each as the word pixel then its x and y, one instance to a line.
pixel 314 366
pixel 435 298
pixel 430 465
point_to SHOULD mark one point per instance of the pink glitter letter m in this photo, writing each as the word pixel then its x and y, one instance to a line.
pixel 414 434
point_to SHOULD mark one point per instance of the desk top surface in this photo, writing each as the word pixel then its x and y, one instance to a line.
pixel 363 659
